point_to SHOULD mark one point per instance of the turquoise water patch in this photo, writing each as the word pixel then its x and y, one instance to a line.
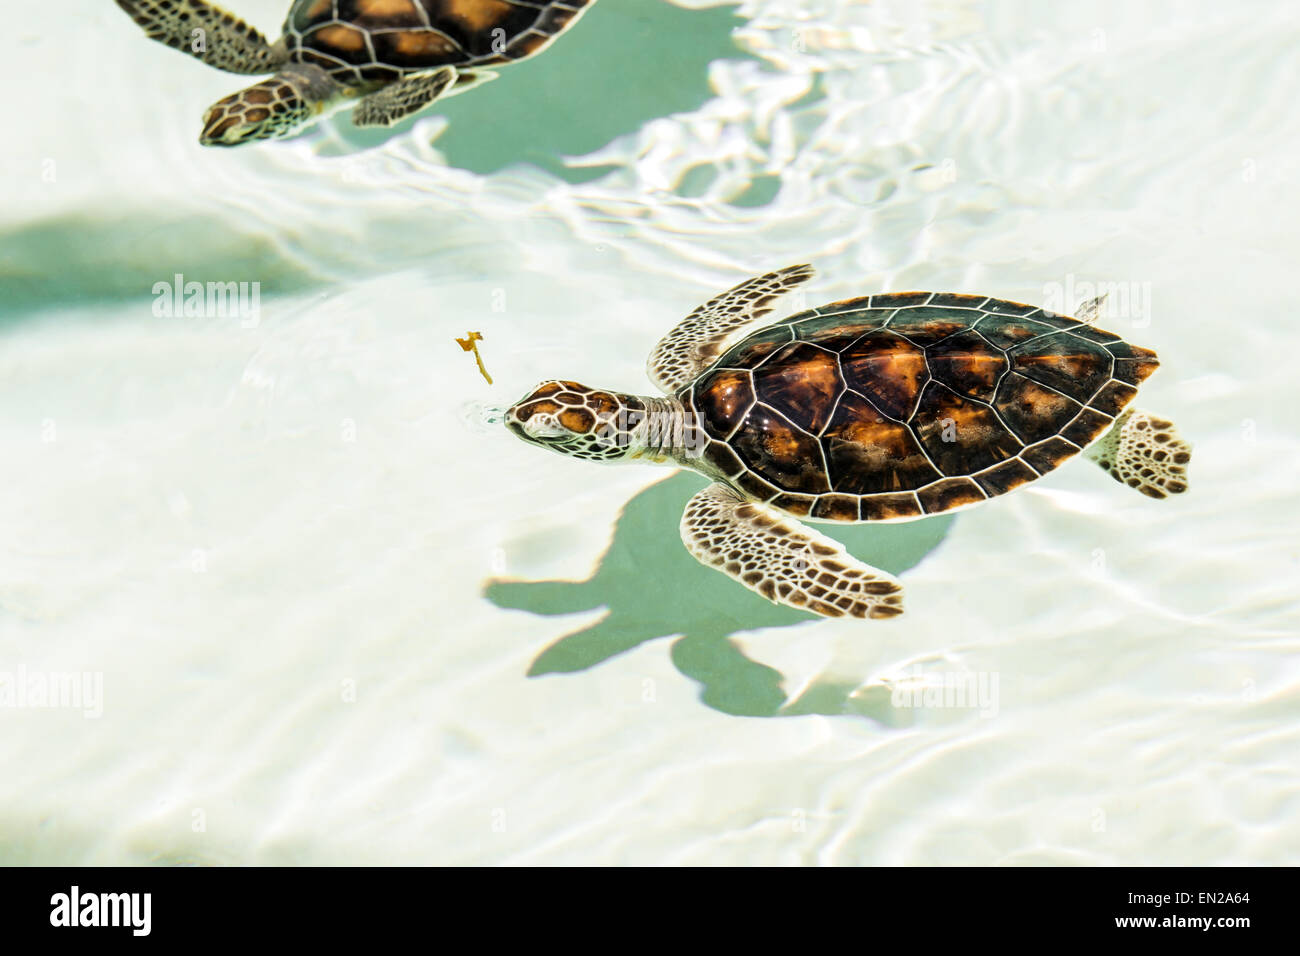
pixel 625 63
pixel 653 588
pixel 83 259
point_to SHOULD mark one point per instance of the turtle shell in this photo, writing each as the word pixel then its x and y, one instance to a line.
pixel 380 40
pixel 907 404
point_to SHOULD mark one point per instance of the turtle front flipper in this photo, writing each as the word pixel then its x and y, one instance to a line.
pixel 208 33
pixel 1145 452
pixel 786 562
pixel 398 100
pixel 697 340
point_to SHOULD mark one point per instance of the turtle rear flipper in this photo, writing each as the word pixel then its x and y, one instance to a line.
pixel 1145 452
pixel 208 33
pixel 398 100
pixel 785 561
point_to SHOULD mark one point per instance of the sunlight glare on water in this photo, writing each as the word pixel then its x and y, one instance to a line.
pixel 341 611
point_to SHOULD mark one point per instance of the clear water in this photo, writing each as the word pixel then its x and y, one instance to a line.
pixel 340 617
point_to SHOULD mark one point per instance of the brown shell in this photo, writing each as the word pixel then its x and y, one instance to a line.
pixel 380 40
pixel 901 405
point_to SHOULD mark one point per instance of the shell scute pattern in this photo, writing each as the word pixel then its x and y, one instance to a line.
pixel 928 325
pixel 723 397
pixel 1006 307
pixel 867 454
pixel 949 494
pixel 1095 334
pixel 1113 397
pixel 836 507
pixel 1001 478
pixel 967 364
pixel 755 348
pixel 831 325
pixel 961 436
pixel 898 300
pixel 1132 364
pixel 958 300
pixel 893 406
pixel 722 459
pixel 375 40
pixel 1005 333
pixel 1086 426
pixel 1032 411
pixel 1064 362
pixel 802 381
pixel 887 370
pixel 890 507
pixel 855 305
pixel 780 451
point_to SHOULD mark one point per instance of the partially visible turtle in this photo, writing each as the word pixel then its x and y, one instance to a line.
pixel 888 407
pixel 393 57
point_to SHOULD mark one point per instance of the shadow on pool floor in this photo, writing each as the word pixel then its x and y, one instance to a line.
pixel 653 588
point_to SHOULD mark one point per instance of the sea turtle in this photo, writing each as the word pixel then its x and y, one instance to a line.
pixel 888 407
pixel 394 57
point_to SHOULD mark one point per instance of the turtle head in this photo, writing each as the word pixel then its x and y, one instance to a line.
pixel 272 109
pixel 581 422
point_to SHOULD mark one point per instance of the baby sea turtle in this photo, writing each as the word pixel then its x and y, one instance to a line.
pixel 394 57
pixel 888 407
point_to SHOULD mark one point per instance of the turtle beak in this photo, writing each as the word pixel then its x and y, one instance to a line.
pixel 536 427
pixel 545 428
pixel 218 125
pixel 515 425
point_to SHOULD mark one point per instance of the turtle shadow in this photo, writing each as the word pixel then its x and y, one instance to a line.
pixel 626 63
pixel 651 587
